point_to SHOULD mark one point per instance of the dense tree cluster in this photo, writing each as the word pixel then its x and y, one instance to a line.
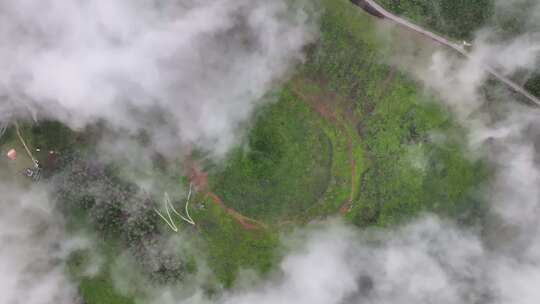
pixel 90 192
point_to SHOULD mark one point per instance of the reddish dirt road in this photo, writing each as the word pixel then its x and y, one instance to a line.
pixel 319 104
pixel 199 179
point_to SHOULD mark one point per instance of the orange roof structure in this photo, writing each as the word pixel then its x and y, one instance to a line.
pixel 12 154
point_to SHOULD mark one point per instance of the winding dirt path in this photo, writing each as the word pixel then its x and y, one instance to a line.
pixel 378 11
pixel 319 105
pixel 199 179
pixel 246 222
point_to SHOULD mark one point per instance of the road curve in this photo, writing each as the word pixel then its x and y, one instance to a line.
pixel 378 11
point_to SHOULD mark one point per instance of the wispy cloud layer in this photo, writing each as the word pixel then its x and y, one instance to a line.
pixel 187 72
pixel 34 248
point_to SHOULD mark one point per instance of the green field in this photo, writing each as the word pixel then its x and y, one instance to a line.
pixel 283 168
pixel 229 248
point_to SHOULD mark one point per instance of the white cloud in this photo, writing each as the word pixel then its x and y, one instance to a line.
pixel 34 248
pixel 189 72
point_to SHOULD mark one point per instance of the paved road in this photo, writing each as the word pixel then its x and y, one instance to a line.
pixel 378 11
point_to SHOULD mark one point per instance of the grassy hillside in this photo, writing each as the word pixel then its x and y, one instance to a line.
pixel 349 135
pixel 405 172
pixel 284 166
pixel 230 247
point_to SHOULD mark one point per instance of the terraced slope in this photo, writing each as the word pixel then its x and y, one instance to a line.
pixel 384 166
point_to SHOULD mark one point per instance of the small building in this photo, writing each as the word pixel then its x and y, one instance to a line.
pixel 33 173
pixel 12 154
